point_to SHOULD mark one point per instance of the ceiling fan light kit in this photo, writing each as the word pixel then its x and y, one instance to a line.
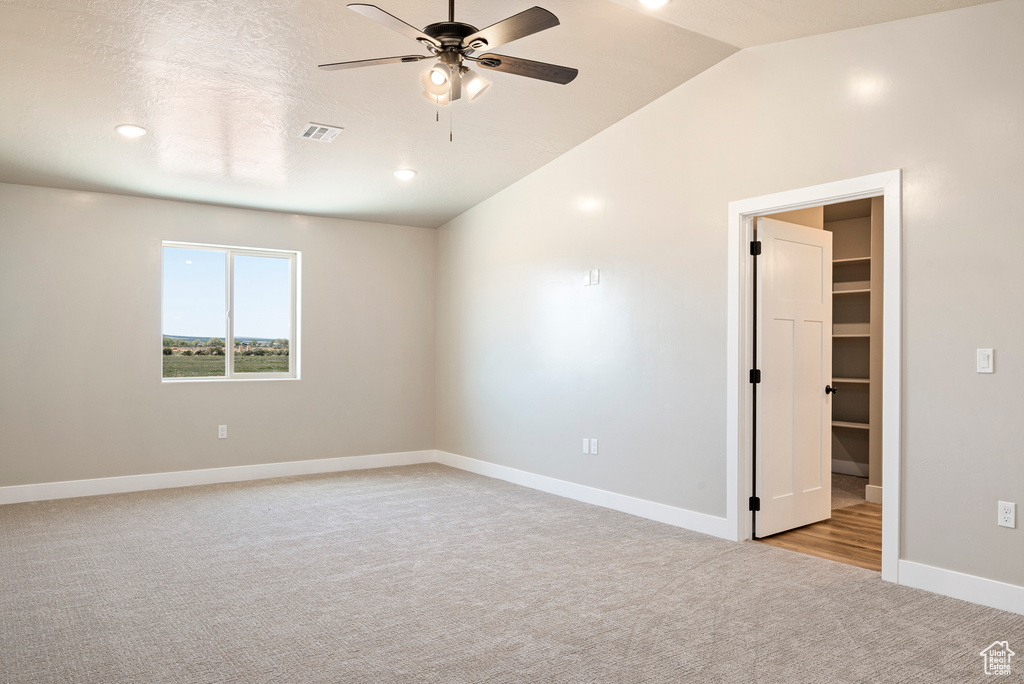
pixel 439 100
pixel 437 76
pixel 474 84
pixel 453 43
pixel 437 80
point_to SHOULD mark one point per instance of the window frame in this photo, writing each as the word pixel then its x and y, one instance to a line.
pixel 294 258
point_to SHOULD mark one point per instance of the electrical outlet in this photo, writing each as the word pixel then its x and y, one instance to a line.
pixel 1007 514
pixel 222 432
pixel 593 446
pixel 595 276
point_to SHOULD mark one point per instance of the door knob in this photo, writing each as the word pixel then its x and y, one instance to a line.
pixel 829 389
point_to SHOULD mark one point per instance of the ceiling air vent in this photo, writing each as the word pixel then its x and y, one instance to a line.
pixel 320 132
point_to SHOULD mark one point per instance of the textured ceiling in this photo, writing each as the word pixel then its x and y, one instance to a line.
pixel 746 23
pixel 226 86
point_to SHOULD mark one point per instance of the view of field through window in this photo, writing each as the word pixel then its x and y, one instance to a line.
pixel 195 313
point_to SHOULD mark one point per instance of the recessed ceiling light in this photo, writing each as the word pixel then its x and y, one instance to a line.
pixel 651 4
pixel 130 130
pixel 404 174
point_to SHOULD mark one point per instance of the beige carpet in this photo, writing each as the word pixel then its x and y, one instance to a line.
pixel 427 574
pixel 847 490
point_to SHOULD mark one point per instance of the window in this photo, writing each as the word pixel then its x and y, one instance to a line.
pixel 229 312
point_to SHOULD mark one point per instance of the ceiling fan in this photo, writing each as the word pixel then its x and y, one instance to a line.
pixel 453 43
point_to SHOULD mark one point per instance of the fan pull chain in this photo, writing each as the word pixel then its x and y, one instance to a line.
pixel 450 127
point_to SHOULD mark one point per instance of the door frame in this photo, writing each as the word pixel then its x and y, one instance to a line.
pixel 739 361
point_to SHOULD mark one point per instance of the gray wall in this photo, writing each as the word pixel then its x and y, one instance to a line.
pixel 80 322
pixel 530 361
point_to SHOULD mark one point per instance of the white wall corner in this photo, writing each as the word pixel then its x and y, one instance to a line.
pixel 873 494
pixel 187 478
pixel 986 592
pixel 663 513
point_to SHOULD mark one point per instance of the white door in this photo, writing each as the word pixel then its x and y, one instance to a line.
pixel 793 465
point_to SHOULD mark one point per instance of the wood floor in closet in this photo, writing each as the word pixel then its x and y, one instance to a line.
pixel 853 536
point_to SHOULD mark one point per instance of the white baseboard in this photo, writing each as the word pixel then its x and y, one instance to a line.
pixel 679 517
pixel 187 478
pixel 873 493
pixel 978 590
pixel 971 588
pixel 849 468
pixel 986 592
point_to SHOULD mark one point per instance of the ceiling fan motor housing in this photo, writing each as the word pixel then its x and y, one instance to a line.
pixel 450 33
pixel 450 57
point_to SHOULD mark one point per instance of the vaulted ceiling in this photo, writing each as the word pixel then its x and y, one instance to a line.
pixel 225 88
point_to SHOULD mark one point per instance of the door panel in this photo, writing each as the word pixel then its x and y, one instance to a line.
pixel 811 408
pixel 777 481
pixel 794 415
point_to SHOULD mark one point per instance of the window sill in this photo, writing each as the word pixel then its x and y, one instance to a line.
pixel 175 381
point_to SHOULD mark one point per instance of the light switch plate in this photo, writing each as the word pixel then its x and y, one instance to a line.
pixel 593 446
pixel 595 276
pixel 986 361
pixel 586 445
pixel 586 279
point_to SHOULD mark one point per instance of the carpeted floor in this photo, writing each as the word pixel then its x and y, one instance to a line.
pixel 428 574
pixel 847 490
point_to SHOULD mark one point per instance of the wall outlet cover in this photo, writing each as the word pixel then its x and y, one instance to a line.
pixel 1007 514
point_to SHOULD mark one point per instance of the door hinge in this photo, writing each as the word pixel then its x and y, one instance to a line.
pixel 755 248
pixel 755 376
pixel 755 503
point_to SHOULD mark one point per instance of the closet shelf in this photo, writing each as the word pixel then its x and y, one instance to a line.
pixel 846 292
pixel 847 424
pixel 852 260
pixel 852 335
pixel 856 381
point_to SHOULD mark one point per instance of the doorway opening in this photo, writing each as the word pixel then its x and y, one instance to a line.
pixel 847 415
pixel 852 408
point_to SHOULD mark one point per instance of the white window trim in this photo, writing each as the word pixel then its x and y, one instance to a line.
pixel 230 252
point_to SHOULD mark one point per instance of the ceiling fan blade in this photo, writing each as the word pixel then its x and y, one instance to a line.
pixel 371 62
pixel 528 68
pixel 394 23
pixel 515 27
